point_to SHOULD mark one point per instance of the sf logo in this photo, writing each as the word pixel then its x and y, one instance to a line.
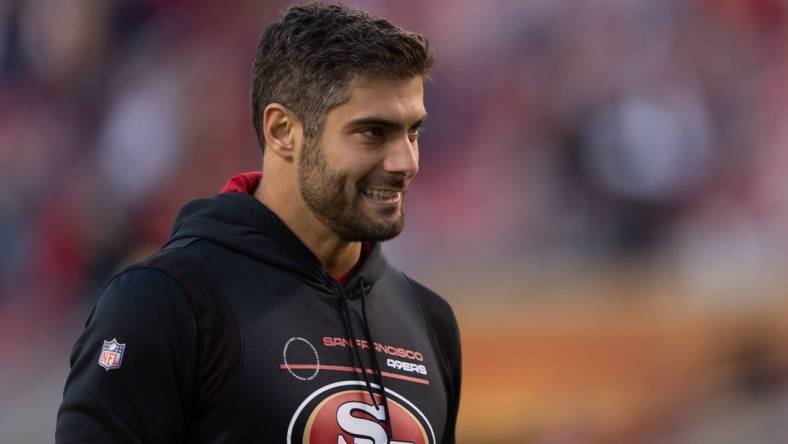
pixel 351 419
pixel 345 413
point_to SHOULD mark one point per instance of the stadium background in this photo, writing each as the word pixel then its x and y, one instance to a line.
pixel 603 198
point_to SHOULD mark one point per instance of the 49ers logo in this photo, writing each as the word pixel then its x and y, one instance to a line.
pixel 343 413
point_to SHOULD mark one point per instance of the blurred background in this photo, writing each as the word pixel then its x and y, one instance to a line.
pixel 602 198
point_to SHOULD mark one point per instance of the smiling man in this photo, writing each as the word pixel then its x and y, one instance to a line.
pixel 271 315
pixel 353 177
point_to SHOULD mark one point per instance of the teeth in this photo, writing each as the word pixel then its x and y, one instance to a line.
pixel 380 194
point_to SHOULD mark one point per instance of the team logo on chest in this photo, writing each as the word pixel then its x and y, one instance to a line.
pixel 344 413
pixel 111 354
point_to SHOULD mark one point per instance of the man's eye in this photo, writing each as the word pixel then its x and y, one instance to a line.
pixel 413 134
pixel 373 132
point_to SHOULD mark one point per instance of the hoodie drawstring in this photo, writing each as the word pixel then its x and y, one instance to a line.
pixel 357 362
pixel 373 357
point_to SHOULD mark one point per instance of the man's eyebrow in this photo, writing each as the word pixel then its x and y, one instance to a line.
pixel 379 121
pixel 419 123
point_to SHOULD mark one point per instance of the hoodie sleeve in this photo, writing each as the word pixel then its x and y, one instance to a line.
pixel 453 356
pixel 132 369
pixel 446 336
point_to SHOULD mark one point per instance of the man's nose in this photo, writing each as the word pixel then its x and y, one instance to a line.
pixel 402 157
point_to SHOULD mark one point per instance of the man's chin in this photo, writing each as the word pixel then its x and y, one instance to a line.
pixel 373 230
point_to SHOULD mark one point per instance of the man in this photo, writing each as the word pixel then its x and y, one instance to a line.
pixel 271 315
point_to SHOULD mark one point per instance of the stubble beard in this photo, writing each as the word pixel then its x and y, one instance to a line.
pixel 333 200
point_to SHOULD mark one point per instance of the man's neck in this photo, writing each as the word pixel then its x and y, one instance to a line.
pixel 337 255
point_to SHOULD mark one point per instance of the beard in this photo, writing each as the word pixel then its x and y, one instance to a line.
pixel 335 201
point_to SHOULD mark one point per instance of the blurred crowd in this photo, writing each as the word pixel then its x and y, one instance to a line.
pixel 113 114
pixel 561 133
pixel 612 130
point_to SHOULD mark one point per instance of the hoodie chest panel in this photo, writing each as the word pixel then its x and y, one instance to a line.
pixel 297 361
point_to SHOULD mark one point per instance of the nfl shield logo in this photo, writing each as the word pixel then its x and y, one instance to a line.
pixel 111 354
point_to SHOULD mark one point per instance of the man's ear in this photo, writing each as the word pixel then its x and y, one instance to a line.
pixel 282 130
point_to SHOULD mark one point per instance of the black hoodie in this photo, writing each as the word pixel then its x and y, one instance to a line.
pixel 234 332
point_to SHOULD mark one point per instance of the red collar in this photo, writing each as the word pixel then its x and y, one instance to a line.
pixel 243 183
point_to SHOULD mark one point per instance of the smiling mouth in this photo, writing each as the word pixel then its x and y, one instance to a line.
pixel 383 196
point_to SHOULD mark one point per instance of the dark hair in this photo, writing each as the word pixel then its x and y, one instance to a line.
pixel 306 60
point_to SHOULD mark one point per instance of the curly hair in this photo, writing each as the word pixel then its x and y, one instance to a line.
pixel 306 60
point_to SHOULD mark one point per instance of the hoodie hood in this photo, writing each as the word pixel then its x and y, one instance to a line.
pixel 236 220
